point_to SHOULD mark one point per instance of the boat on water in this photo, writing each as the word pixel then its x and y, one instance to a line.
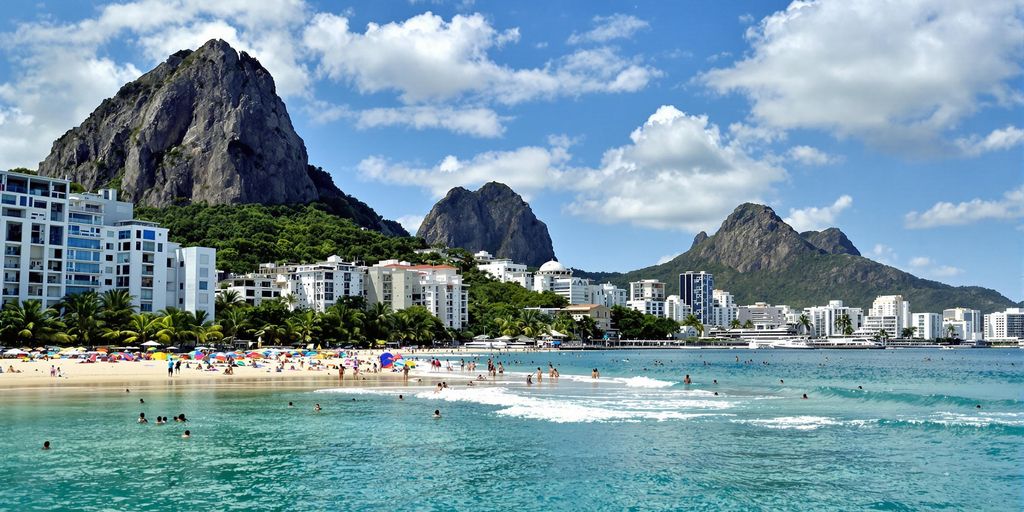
pixel 774 343
pixel 494 345
pixel 847 343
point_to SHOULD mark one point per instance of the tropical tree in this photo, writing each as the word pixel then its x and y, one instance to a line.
pixel 227 300
pixel 908 332
pixel 30 322
pixel 234 321
pixel 80 313
pixel 304 326
pixel 416 324
pixel 735 324
pixel 177 326
pixel 951 330
pixel 507 326
pixel 533 323
pixel 844 325
pixel 693 321
pixel 140 329
pixel 275 334
pixel 805 322
pixel 749 324
pixel 345 322
pixel 882 334
pixel 378 322
pixel 116 308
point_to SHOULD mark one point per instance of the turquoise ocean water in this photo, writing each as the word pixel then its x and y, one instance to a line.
pixel 638 439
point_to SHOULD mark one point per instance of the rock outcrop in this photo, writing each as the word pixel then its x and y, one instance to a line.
pixel 753 238
pixel 205 126
pixel 831 240
pixel 493 219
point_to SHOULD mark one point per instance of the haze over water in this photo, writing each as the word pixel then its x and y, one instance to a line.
pixel 913 438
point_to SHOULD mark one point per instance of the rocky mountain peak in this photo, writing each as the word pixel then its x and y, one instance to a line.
pixel 495 219
pixel 831 241
pixel 203 126
pixel 753 238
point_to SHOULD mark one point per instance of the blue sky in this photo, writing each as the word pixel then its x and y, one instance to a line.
pixel 628 127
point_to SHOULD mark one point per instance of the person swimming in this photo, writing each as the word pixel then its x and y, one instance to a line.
pixel 529 379
pixel 187 434
pixel 686 380
pixel 805 396
pixel 46 445
pixel 715 381
pixel 437 413
pixel 141 401
pixel 400 397
pixel 316 408
pixel 142 418
pixel 781 381
pixel 291 404
pixel 180 418
pixel 716 393
pixel 594 374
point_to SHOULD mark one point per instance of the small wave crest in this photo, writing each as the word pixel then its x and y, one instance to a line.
pixel 904 397
pixel 793 422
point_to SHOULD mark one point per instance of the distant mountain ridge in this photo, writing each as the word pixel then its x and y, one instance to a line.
pixel 204 127
pixel 494 219
pixel 756 256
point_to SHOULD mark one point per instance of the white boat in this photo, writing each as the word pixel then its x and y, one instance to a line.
pixel 784 343
pixel 496 345
pixel 847 343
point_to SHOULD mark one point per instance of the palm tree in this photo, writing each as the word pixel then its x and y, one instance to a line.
pixel 734 324
pixel 951 331
pixel 805 322
pixel 882 335
pixel 275 334
pixel 416 324
pixel 507 326
pixel 227 300
pixel 346 321
pixel 908 332
pixel 532 323
pixel 116 308
pixel 378 322
pixel 30 322
pixel 140 329
pixel 234 321
pixel 844 324
pixel 304 326
pixel 177 326
pixel 749 324
pixel 81 316
pixel 693 321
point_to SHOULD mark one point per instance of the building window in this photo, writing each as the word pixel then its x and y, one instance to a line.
pixel 204 285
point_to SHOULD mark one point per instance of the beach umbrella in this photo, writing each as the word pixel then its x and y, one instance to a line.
pixel 254 355
pixel 15 352
pixel 310 353
pixel 387 360
pixel 162 356
pixel 151 343
pixel 349 362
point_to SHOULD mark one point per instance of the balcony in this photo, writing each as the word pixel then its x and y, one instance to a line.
pixel 35 264
pixel 12 263
pixel 36 240
pixel 12 251
pixel 10 290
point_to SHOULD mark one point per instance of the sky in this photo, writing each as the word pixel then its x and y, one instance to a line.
pixel 628 127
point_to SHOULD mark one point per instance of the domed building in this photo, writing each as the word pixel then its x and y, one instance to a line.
pixel 556 277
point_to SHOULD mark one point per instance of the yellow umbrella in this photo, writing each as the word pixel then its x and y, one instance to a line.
pixel 160 355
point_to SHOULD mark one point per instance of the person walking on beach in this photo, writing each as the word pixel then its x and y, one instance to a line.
pixel 341 372
pixel 405 373
pixel 170 368
pixel 53 371
pixel 177 367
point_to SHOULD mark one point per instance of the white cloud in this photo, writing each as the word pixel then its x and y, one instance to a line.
pixel 896 73
pixel 667 258
pixel 478 122
pixel 884 254
pixel 608 28
pixel 925 267
pixel 678 172
pixel 997 140
pixel 411 223
pixel 1011 206
pixel 815 218
pixel 808 155
pixel 426 58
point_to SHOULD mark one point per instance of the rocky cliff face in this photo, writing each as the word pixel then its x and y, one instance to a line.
pixel 204 126
pixel 493 219
pixel 831 240
pixel 752 238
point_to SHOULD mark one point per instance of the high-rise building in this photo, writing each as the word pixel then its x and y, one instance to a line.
pixel 966 323
pixel 826 321
pixel 648 297
pixel 556 278
pixel 438 288
pixel 504 270
pixel 675 309
pixel 927 326
pixel 723 308
pixel 319 286
pixel 1007 325
pixel 888 313
pixel 608 295
pixel 695 290
pixel 57 243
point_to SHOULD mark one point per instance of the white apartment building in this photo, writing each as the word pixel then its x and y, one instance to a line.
pixel 58 244
pixel 676 309
pixel 966 323
pixel 723 308
pixel 889 313
pixel 555 277
pixel 824 318
pixel 927 326
pixel 763 315
pixel 504 270
pixel 319 286
pixel 647 296
pixel 1007 325
pixel 608 295
pixel 438 288
pixel 256 287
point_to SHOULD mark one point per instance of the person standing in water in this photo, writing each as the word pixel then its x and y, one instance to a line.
pixel 46 445
pixel 686 380
pixel 595 374
pixel 540 375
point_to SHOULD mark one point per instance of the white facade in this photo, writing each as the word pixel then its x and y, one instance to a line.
pixel 1007 325
pixel 648 307
pixel 966 323
pixel 505 270
pixel 608 295
pixel 675 309
pixel 255 287
pixel 763 315
pixel 927 326
pixel 647 289
pixel 889 313
pixel 58 244
pixel 723 309
pixel 823 318
pixel 319 286
pixel 438 288
pixel 196 278
pixel 555 277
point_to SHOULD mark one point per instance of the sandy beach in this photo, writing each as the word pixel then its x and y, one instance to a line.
pixel 153 373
